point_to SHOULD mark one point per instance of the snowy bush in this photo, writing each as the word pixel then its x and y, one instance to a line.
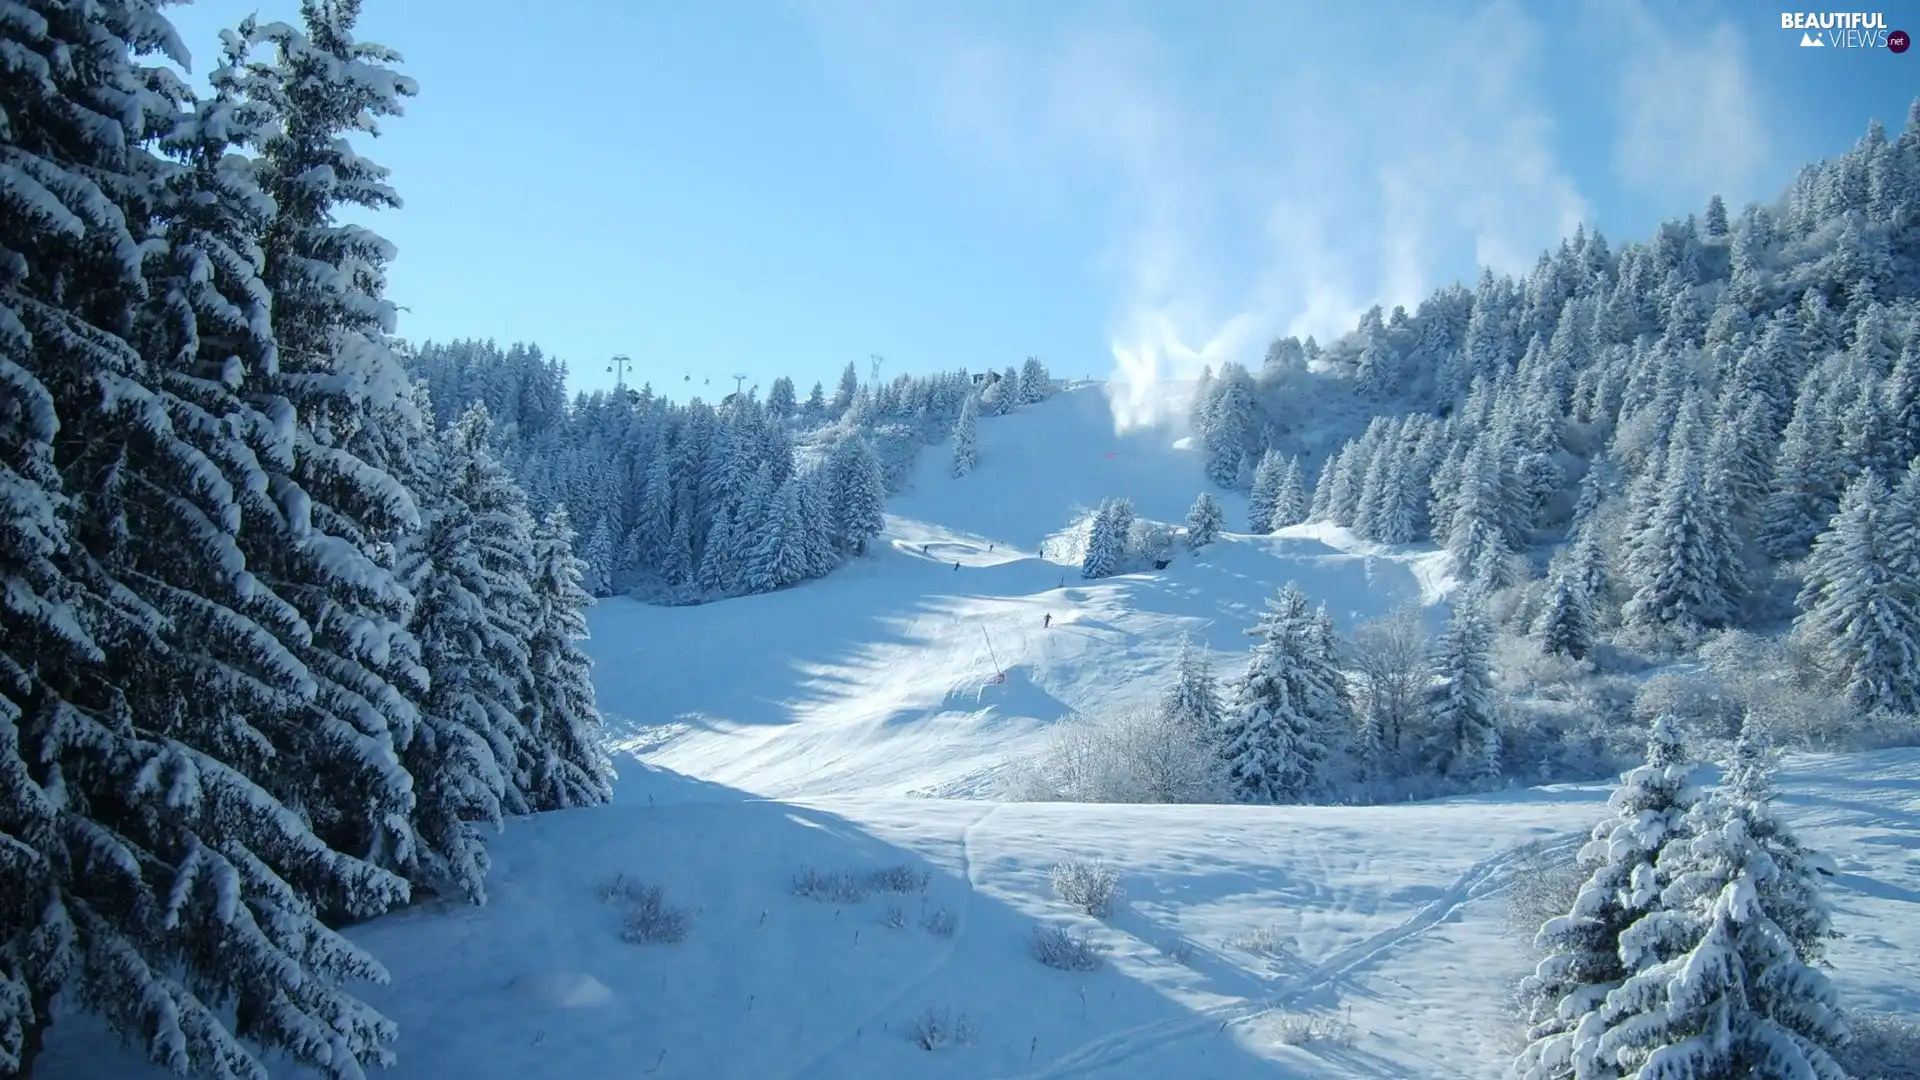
pixel 1267 941
pixel 1064 950
pixel 1697 699
pixel 830 886
pixel 649 919
pixel 900 879
pixel 1885 1046
pixel 940 922
pixel 1545 882
pixel 938 1027
pixel 894 918
pixel 1299 1029
pixel 1135 754
pixel 1088 886
pixel 1178 950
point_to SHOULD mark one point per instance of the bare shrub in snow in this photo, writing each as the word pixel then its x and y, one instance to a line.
pixel 1885 1046
pixel 1064 950
pixel 1178 950
pixel 1545 882
pixel 1267 941
pixel 937 1027
pixel 1696 698
pixel 940 922
pixel 1137 754
pixel 1390 655
pixel 650 920
pixel 1089 886
pixel 894 918
pixel 900 879
pixel 830 886
pixel 1300 1029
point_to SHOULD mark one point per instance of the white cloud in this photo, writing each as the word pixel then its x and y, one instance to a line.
pixel 1692 116
pixel 1373 161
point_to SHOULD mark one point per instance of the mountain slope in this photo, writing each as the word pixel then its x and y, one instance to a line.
pixel 1240 922
pixel 876 681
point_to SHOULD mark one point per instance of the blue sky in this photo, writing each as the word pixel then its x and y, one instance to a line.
pixel 770 187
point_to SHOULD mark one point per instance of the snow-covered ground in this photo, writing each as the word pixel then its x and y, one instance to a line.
pixel 842 696
pixel 875 680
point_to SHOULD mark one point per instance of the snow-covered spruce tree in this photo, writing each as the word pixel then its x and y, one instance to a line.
pixel 474 604
pixel 1194 697
pixel 1463 731
pixel 188 877
pixel 1583 962
pixel 570 766
pixel 351 405
pixel 1204 520
pixel 858 493
pixel 1284 716
pixel 1228 424
pixel 1035 384
pixel 1566 623
pixel 779 556
pixel 966 449
pixel 1859 611
pixel 1719 987
pixel 1683 565
pixel 1265 496
pixel 1795 897
pixel 1290 502
pixel 1106 540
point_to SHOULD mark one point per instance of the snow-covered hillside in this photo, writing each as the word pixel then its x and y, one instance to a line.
pixel 1253 941
pixel 1240 924
pixel 875 681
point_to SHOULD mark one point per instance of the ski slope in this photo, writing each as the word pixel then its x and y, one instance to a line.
pixel 771 735
pixel 875 680
pixel 1239 922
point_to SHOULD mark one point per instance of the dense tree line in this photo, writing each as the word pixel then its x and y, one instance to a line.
pixel 696 502
pixel 1640 446
pixel 274 645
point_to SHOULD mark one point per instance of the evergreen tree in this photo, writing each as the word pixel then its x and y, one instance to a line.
pixel 1286 710
pixel 966 451
pixel 1265 497
pixel 1583 962
pixel 1035 383
pixel 1463 739
pixel 1718 987
pixel 1566 626
pixel 571 766
pixel 1290 503
pixel 1194 698
pixel 1683 564
pixel 1858 610
pixel 1204 519
pixel 859 493
pixel 471 626
pixel 1106 539
pixel 849 387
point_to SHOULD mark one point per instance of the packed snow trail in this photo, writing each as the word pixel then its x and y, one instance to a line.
pixel 881 678
pixel 1479 881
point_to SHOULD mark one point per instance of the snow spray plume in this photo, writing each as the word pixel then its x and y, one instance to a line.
pixel 1155 370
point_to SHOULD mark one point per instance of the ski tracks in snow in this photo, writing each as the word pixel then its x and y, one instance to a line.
pixel 815 1063
pixel 1478 881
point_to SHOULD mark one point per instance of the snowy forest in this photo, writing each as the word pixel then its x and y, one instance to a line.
pixel 698 502
pixel 1680 478
pixel 278 643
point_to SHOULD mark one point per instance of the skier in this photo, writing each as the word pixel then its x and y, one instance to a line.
pixel 1047 622
pixel 956 564
pixel 989 547
pixel 923 549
